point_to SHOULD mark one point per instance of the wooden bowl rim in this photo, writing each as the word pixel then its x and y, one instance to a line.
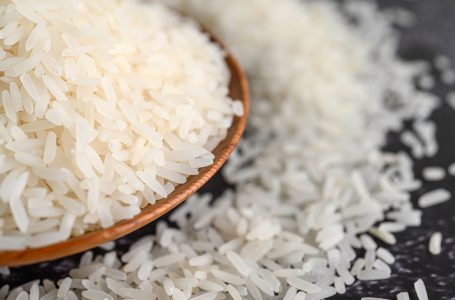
pixel 151 212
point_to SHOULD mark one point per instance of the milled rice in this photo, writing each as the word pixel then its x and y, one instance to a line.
pixel 420 289
pixel 434 173
pixel 434 197
pixel 435 243
pixel 312 182
pixel 403 296
pixel 102 111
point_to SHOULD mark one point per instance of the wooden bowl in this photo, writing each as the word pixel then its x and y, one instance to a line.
pixel 238 90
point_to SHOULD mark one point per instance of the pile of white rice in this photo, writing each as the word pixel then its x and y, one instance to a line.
pixel 106 107
pixel 314 191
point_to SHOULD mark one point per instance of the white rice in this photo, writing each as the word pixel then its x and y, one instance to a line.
pixel 380 265
pixel 167 260
pixel 296 223
pixel 233 292
pixel 339 285
pixel 383 235
pixel 385 255
pixel 77 106
pixel 373 274
pixel 420 289
pixel 435 197
pixel 228 277
pixel 358 265
pixel 367 242
pixel 392 227
pixel 206 296
pixel 238 263
pixel 403 296
pixel 304 285
pixel 64 288
pixel 434 173
pixel 435 243
pixel 370 257
pixel 451 169
pixel 409 139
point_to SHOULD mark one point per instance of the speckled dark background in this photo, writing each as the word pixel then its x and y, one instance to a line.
pixel 433 34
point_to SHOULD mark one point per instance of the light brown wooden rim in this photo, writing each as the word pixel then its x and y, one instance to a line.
pixel 238 90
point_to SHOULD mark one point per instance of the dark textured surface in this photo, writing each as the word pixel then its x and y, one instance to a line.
pixel 433 34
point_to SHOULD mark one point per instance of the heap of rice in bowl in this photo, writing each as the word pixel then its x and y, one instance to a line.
pixel 106 106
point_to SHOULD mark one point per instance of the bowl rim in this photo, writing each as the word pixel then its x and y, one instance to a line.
pixel 149 213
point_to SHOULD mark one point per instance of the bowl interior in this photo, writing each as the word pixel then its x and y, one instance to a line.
pixel 238 90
